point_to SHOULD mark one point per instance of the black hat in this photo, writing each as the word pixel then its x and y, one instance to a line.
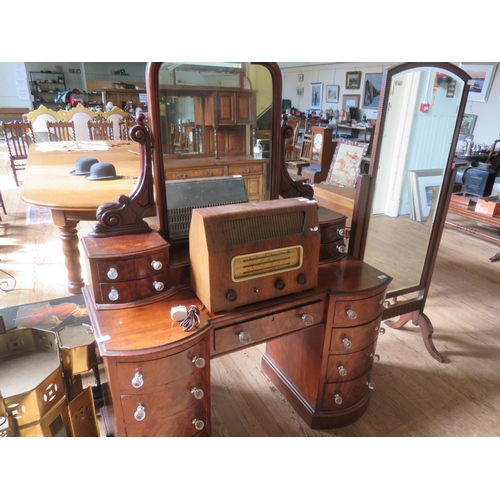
pixel 102 171
pixel 83 165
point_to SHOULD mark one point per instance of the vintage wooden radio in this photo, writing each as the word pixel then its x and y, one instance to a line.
pixel 241 254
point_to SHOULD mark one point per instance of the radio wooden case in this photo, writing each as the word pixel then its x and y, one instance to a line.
pixel 241 254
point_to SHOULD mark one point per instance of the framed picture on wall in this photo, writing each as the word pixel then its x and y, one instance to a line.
pixel 316 90
pixel 332 93
pixel 353 80
pixel 350 101
pixel 300 91
pixel 482 75
pixel 373 84
pixel 468 123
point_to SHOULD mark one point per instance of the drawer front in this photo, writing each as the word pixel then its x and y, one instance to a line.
pixel 251 168
pixel 258 330
pixel 254 188
pixel 161 403
pixel 332 232
pixel 342 368
pixel 181 424
pixel 345 394
pixel 332 250
pixel 148 375
pixel 357 312
pixel 133 290
pixel 129 269
pixel 348 340
pixel 209 171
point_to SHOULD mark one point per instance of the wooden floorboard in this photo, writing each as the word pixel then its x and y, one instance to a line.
pixel 414 395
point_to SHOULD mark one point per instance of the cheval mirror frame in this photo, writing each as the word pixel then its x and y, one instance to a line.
pixel 410 308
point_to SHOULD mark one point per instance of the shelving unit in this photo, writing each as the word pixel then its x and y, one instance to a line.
pixel 44 87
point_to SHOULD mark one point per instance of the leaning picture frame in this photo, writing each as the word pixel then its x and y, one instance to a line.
pixel 316 91
pixel 332 93
pixel 468 124
pixel 353 80
pixel 424 192
pixel 482 77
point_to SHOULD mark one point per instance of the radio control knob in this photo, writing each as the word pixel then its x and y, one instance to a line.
pixel 301 279
pixel 279 284
pixel 231 295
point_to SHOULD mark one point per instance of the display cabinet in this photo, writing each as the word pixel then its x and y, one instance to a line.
pixel 45 85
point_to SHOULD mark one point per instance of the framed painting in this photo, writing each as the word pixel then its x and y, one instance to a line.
pixel 316 90
pixel 332 93
pixel 482 77
pixel 373 84
pixel 353 80
pixel 346 161
pixel 468 123
pixel 350 101
pixel 300 91
pixel 424 191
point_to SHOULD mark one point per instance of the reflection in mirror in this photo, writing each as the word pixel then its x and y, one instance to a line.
pixel 420 120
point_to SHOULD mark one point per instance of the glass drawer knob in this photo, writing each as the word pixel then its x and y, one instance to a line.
pixel 198 424
pixel 156 265
pixel 198 362
pixel 386 304
pixel 341 248
pixel 347 343
pixel 341 232
pixel 375 357
pixel 140 413
pixel 338 399
pixel 138 380
pixel 244 337
pixel 342 371
pixel 159 286
pixel 113 294
pixel 381 331
pixel 112 274
pixel 371 385
pixel 351 314
pixel 197 393
pixel 307 319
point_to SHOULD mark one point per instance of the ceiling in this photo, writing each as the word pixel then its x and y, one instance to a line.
pixel 297 64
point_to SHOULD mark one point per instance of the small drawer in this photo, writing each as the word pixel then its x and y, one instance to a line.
pixel 143 376
pixel 161 403
pixel 332 251
pixel 332 232
pixel 133 290
pixel 260 329
pixel 346 340
pixel 127 269
pixel 358 312
pixel 181 424
pixel 341 395
pixel 251 168
pixel 209 171
pixel 342 368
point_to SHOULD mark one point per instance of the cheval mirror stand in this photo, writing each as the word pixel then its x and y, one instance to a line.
pixel 265 267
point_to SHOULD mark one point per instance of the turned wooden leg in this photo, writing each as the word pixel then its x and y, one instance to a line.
pixel 418 318
pixel 68 231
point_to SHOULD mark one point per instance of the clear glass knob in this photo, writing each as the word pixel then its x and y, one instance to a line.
pixel 341 232
pixel 140 413
pixel 113 294
pixel 386 304
pixel 156 265
pixel 112 274
pixel 371 385
pixel 381 331
pixel 341 248
pixel 197 393
pixel 307 319
pixel 347 343
pixel 338 399
pixel 138 380
pixel 198 362
pixel 351 314
pixel 159 286
pixel 198 424
pixel 342 371
pixel 375 357
pixel 244 337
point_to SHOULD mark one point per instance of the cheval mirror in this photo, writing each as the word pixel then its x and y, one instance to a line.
pixel 410 181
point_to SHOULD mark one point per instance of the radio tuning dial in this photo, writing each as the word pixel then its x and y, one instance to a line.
pixel 279 284
pixel 301 279
pixel 231 295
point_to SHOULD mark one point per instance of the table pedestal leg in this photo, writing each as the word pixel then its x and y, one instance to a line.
pixel 68 230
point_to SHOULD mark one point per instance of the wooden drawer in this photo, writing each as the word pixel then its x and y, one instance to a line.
pixel 348 340
pixel 209 171
pixel 133 290
pixel 168 400
pixel 251 168
pixel 128 269
pixel 361 311
pixel 260 329
pixel 158 372
pixel 342 368
pixel 332 250
pixel 179 425
pixel 349 393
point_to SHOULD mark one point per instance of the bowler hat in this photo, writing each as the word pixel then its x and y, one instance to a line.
pixel 102 171
pixel 82 165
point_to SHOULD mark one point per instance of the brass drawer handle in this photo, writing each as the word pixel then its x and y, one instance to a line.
pixel 246 170
pixel 209 173
pixel 181 176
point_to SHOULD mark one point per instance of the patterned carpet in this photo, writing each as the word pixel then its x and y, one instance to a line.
pixel 37 215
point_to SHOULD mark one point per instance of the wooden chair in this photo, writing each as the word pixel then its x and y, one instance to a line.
pixel 19 136
pixel 305 155
pixel 290 143
pixel 2 204
pixel 61 131
pixel 125 124
pixel 100 129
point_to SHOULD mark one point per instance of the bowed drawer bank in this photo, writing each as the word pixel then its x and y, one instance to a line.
pixel 156 376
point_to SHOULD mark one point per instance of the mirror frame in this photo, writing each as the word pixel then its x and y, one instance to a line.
pixel 410 309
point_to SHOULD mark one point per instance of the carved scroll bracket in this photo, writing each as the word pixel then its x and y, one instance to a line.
pixel 126 216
